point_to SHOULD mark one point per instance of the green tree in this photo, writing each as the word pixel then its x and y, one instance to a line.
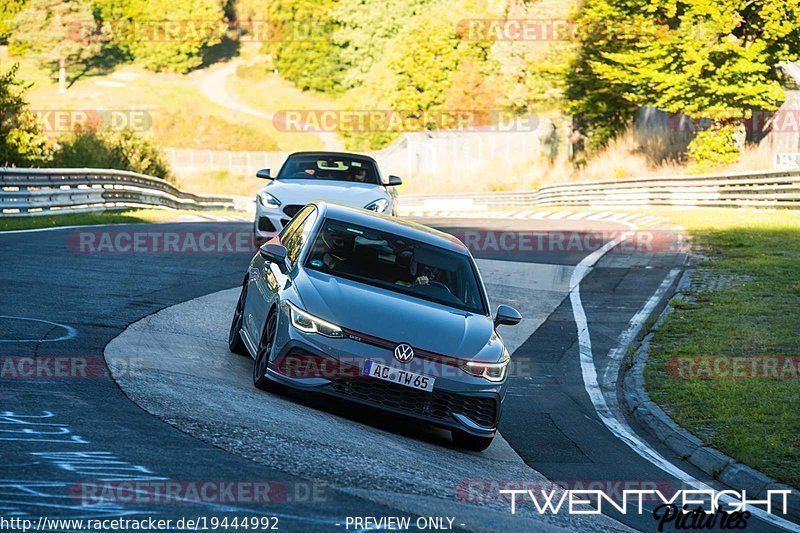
pixel 22 142
pixel 56 32
pixel 421 64
pixel 704 58
pixel 9 10
pixel 174 35
pixel 532 73
pixel 363 30
pixel 302 44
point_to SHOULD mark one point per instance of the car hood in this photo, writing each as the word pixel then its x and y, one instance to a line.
pixel 399 318
pixel 303 192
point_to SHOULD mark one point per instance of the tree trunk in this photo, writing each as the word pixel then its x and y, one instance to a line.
pixel 62 75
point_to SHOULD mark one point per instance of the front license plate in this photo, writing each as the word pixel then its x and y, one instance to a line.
pixel 396 375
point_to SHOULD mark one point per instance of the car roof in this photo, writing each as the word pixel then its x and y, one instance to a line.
pixel 334 154
pixel 394 225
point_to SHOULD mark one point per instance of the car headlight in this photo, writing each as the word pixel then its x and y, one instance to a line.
pixel 379 206
pixel 491 371
pixel 267 200
pixel 308 323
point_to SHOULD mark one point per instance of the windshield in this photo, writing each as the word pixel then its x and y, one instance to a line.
pixel 329 168
pixel 396 263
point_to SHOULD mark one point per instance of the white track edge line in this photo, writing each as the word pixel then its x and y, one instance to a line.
pixel 619 427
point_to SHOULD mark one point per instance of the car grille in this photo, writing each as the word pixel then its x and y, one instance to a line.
pixel 265 224
pixel 292 209
pixel 436 404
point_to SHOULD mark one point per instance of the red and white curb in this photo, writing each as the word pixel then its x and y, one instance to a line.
pixel 639 219
pixel 214 218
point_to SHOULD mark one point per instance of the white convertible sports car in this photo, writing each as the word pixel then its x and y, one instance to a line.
pixel 349 179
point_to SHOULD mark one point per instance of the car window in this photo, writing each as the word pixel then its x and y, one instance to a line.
pixel 396 263
pixel 329 168
pixel 298 233
pixel 292 225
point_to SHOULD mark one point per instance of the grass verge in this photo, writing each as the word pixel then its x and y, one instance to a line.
pixel 132 216
pixel 754 420
pixel 220 182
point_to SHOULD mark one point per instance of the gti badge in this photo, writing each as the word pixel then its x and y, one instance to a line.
pixel 404 352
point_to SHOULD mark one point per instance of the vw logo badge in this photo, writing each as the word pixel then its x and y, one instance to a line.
pixel 404 352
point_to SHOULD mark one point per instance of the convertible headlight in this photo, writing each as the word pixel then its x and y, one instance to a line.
pixel 379 206
pixel 491 371
pixel 267 200
pixel 308 323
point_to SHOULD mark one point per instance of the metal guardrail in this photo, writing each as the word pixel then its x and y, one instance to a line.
pixel 50 191
pixel 31 192
pixel 741 189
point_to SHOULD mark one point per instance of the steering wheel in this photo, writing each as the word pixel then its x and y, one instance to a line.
pixel 440 284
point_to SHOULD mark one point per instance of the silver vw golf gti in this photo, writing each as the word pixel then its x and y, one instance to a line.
pixel 379 311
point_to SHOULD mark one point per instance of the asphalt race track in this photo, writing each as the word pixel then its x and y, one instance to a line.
pixel 180 408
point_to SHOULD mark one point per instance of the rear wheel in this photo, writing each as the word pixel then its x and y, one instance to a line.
pixel 235 342
pixel 260 379
pixel 470 442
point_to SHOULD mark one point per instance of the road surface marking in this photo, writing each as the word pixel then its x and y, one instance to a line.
pixel 615 424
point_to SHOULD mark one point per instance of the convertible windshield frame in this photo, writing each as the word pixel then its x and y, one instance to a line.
pixel 292 169
pixel 480 308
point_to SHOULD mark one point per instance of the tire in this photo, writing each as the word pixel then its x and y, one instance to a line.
pixel 260 379
pixel 470 442
pixel 235 342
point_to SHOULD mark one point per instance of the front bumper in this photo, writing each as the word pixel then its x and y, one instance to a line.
pixel 269 221
pixel 457 401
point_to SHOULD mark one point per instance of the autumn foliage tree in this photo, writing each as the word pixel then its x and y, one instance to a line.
pixel 713 59
pixel 418 70
pixel 52 31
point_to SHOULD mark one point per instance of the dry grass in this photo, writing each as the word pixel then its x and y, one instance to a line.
pixel 220 182
pixel 169 107
pixel 622 159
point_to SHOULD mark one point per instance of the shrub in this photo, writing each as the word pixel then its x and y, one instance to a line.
pixel 120 150
pixel 22 142
pixel 714 147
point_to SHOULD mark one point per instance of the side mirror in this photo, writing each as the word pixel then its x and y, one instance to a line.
pixel 263 174
pixel 394 181
pixel 274 253
pixel 506 316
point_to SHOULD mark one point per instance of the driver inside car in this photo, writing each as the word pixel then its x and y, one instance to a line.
pixel 360 175
pixel 309 170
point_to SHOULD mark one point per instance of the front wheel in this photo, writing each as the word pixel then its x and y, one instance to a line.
pixel 260 379
pixel 470 442
pixel 235 342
